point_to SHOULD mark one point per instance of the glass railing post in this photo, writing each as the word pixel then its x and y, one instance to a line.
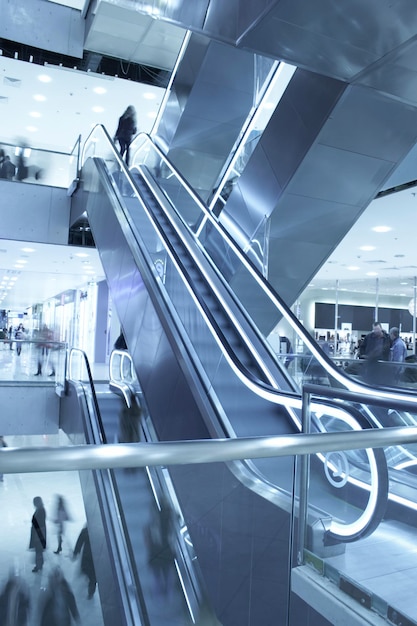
pixel 304 479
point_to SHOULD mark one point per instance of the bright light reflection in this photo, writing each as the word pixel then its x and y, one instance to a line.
pixel 382 229
pixel 44 78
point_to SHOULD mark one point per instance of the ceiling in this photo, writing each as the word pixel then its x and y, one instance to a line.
pixel 69 108
pixel 367 261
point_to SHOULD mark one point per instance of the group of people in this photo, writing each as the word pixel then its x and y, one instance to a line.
pixel 379 346
pixel 7 167
pixel 38 539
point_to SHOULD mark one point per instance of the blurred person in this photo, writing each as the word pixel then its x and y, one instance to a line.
pixel 45 339
pixel 38 533
pixel 3 444
pixel 285 347
pixel 61 516
pixel 126 130
pixel 59 604
pixel 83 547
pixel 160 540
pixel 129 424
pixel 398 352
pixel 4 337
pixel 7 169
pixel 120 343
pixel 19 334
pixel 14 602
pixel 374 348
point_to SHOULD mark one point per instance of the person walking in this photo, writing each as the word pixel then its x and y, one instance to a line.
pixel 38 533
pixel 59 605
pixel 83 546
pixel 61 516
pixel 126 130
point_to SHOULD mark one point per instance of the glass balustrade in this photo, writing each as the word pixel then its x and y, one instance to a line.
pixel 42 167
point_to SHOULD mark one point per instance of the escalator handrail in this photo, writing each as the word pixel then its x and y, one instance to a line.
pixel 266 287
pixel 289 316
pixel 71 376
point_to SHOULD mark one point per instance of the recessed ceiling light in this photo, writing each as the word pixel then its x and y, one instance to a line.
pixel 382 229
pixel 44 78
pixel 367 248
pixel 35 114
pixel 353 268
pixel 152 115
pixel 39 97
pixel 97 109
pixel 371 273
pixel 148 95
pixel 404 283
pixel 81 254
pixel 31 129
pixel 99 90
pixel 28 249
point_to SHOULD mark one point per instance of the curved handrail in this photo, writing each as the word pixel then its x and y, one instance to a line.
pixel 71 376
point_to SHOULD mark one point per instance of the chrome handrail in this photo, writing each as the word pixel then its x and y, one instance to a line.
pixel 64 458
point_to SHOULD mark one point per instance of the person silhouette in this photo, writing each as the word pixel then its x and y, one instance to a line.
pixel 126 130
pixel 38 533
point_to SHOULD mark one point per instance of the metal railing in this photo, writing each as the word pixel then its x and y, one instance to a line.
pixel 64 458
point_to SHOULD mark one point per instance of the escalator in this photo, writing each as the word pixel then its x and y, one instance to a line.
pixel 205 371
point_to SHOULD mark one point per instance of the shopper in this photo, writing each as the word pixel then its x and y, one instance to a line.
pixel 375 349
pixel 83 546
pixel 398 353
pixel 60 518
pixel 38 533
pixel 125 132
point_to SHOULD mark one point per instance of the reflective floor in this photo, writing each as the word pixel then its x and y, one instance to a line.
pixel 16 501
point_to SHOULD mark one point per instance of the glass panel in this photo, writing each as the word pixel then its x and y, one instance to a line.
pixel 32 360
pixel 41 167
pixel 27 592
pixel 359 531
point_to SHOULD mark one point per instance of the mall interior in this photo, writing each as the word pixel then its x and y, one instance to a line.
pixel 236 460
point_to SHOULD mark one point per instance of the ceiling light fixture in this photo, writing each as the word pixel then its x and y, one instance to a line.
pixel 44 78
pixel 367 248
pixel 39 97
pixel 382 229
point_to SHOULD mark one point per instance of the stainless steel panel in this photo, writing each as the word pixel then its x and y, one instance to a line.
pixel 212 95
pixel 314 171
pixel 43 25
pixel 34 213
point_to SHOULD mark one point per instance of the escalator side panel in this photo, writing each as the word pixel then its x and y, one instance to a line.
pixel 74 424
pixel 180 409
